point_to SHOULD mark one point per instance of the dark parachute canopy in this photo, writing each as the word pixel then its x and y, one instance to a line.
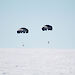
pixel 47 27
pixel 22 30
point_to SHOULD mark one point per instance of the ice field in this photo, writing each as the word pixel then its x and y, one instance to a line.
pixel 22 61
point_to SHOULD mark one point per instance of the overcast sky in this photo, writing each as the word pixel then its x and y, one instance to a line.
pixel 33 14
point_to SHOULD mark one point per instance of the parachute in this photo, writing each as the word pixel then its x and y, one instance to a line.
pixel 22 30
pixel 47 27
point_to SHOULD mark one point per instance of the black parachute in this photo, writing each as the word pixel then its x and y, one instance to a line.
pixel 47 27
pixel 22 30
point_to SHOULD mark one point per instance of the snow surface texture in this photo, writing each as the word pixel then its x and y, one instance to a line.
pixel 14 61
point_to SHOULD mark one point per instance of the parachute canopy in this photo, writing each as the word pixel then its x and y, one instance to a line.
pixel 47 27
pixel 22 30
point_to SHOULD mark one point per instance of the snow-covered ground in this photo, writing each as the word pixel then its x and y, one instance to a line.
pixel 22 61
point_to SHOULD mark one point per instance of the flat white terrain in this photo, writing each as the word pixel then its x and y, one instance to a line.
pixel 22 61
